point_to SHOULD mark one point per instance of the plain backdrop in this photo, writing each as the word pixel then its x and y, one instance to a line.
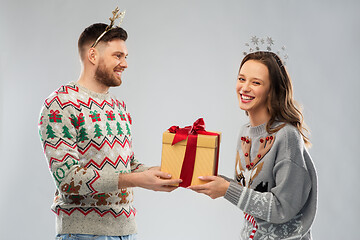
pixel 183 62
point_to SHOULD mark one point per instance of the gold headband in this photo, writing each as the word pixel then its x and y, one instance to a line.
pixel 116 15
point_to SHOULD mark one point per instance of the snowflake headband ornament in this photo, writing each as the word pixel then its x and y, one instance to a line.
pixel 265 44
pixel 116 15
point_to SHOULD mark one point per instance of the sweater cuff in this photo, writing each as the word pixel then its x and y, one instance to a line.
pixel 140 168
pixel 233 193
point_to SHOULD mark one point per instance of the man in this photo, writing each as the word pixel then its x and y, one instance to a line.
pixel 86 135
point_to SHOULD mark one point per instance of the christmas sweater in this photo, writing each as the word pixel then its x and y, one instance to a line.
pixel 86 137
pixel 275 184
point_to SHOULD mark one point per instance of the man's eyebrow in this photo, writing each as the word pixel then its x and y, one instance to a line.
pixel 119 52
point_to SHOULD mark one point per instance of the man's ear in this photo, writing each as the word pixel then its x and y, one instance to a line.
pixel 93 55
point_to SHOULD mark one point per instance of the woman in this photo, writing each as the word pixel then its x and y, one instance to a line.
pixel 275 183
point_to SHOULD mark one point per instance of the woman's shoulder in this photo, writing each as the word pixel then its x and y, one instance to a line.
pixel 290 136
pixel 288 131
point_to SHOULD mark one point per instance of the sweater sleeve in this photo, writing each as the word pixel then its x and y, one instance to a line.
pixel 292 186
pixel 59 138
pixel 136 166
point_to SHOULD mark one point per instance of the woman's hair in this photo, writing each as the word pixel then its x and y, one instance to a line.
pixel 281 105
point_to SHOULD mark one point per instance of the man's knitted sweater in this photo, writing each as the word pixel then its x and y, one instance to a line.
pixel 275 184
pixel 87 142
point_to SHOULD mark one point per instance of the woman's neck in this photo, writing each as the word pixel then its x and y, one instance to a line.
pixel 257 118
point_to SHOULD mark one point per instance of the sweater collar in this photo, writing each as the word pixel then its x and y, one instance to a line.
pixel 91 93
pixel 257 130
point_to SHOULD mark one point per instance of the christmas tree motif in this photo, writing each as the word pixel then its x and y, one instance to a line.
pixel 110 115
pixel 98 131
pixel 82 135
pixel 50 133
pixel 95 116
pixel 129 118
pixel 40 135
pixel 66 132
pixel 77 121
pixel 128 130
pixel 40 123
pixel 122 116
pixel 108 129
pixel 119 129
pixel 54 116
pixel 41 120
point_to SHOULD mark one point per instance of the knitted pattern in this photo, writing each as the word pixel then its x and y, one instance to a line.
pixel 87 142
pixel 275 184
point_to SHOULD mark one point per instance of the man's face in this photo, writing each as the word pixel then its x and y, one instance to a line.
pixel 112 63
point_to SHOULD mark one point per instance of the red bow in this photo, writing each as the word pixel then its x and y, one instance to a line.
pixel 190 133
pixel 54 112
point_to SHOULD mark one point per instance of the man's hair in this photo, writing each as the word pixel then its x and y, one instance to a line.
pixel 91 33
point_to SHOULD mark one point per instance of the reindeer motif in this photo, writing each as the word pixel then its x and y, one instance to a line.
pixel 245 176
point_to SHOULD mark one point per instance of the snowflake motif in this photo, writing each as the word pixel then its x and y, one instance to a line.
pixel 113 199
pixel 260 198
pixel 285 229
pixel 298 226
pixel 268 234
pixel 258 213
pixel 255 40
pixel 270 41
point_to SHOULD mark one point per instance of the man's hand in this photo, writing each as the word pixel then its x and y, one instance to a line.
pixel 216 187
pixel 152 179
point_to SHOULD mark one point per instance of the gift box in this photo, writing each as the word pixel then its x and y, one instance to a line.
pixel 190 152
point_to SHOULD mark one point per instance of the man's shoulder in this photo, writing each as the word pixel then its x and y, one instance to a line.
pixel 63 96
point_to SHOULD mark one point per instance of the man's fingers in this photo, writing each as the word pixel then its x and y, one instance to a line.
pixel 162 174
pixel 170 182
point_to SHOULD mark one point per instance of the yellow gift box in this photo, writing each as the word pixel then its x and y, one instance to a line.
pixel 206 159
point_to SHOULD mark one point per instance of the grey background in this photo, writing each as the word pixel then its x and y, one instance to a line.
pixel 183 61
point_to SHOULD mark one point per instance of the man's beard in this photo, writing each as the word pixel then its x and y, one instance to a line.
pixel 106 77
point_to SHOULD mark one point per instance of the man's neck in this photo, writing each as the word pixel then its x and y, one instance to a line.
pixel 89 82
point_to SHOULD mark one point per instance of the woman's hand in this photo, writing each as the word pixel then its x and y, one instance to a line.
pixel 216 186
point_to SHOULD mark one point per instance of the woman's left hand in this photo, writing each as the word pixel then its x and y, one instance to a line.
pixel 216 186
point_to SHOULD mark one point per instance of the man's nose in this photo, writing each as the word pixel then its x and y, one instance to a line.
pixel 124 63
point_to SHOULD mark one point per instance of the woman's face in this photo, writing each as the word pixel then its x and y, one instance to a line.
pixel 253 87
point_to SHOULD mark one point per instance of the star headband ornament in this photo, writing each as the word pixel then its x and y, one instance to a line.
pixel 265 44
pixel 116 15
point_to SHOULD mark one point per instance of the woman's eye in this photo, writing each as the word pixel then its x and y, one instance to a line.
pixel 256 83
pixel 241 79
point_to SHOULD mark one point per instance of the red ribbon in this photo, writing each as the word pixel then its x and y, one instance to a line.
pixel 190 133
pixel 54 113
